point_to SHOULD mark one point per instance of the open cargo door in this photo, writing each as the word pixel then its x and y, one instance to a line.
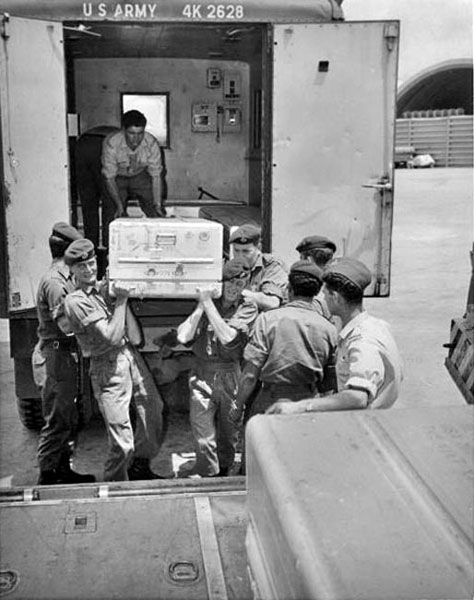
pixel 34 153
pixel 333 115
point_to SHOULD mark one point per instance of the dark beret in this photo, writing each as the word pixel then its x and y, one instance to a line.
pixel 308 268
pixel 65 232
pixel 315 241
pixel 79 251
pixel 245 234
pixel 352 270
pixel 235 267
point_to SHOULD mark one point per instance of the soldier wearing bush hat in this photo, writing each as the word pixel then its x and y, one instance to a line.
pixel 118 372
pixel 57 353
pixel 218 330
pixel 268 279
pixel 368 366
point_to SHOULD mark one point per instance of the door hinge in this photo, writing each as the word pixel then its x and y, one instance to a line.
pixel 390 34
pixel 5 33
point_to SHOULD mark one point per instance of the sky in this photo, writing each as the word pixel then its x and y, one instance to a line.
pixel 432 31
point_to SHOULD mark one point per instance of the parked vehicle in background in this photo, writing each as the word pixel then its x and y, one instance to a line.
pixel 421 161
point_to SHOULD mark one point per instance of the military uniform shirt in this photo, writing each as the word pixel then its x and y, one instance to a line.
pixel 83 308
pixel 54 286
pixel 292 344
pixel 119 159
pixel 368 359
pixel 269 276
pixel 206 345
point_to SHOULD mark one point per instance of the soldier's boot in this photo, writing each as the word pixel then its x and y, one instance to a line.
pixel 47 478
pixel 140 469
pixel 65 474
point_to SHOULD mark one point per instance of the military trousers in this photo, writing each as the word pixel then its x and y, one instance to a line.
pixel 120 377
pixel 213 393
pixel 59 408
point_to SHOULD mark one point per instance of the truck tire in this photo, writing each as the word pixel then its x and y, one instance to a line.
pixel 30 411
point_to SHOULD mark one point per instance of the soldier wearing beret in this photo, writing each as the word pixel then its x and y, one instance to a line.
pixel 292 348
pixel 60 355
pixel 268 279
pixel 118 372
pixel 368 364
pixel 320 250
pixel 218 330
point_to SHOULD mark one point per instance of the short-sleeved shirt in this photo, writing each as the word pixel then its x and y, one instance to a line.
pixel 54 286
pixel 82 308
pixel 119 159
pixel 292 344
pixel 206 345
pixel 269 276
pixel 368 359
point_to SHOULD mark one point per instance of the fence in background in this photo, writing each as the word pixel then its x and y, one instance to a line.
pixel 448 139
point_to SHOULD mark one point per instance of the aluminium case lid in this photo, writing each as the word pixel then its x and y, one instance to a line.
pixel 364 504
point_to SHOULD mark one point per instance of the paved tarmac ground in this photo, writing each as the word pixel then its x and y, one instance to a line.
pixel 432 237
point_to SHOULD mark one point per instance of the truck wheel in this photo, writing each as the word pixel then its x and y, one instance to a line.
pixel 30 411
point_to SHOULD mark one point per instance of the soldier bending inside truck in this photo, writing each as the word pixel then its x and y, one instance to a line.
pixel 117 370
pixel 132 166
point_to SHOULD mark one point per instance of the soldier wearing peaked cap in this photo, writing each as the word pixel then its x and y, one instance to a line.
pixel 268 278
pixel 118 372
pixel 292 348
pixel 218 331
pixel 59 353
pixel 368 363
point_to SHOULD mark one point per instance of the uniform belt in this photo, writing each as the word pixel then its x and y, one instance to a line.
pixel 208 366
pixel 61 343
pixel 289 387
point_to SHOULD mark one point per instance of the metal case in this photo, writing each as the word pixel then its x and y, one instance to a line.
pixel 165 258
pixel 362 504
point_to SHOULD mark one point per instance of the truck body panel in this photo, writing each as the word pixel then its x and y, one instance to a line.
pixel 333 114
pixel 127 541
pixel 34 152
pixel 362 504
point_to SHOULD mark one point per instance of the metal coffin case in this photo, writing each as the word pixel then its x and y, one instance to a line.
pixel 165 258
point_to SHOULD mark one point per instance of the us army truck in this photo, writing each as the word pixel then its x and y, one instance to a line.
pixel 277 113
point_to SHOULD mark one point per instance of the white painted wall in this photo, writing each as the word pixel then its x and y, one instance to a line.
pixel 432 31
pixel 193 159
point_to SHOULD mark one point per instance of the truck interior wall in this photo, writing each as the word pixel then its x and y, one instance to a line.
pixel 216 162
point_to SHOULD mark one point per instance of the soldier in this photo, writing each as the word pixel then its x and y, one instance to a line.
pixel 132 165
pixel 319 250
pixel 117 370
pixel 292 348
pixel 60 354
pixel 368 364
pixel 218 330
pixel 268 278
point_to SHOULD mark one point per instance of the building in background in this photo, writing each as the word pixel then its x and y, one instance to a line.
pixel 435 83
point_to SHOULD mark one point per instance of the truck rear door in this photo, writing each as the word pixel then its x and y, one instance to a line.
pixel 333 116
pixel 34 153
